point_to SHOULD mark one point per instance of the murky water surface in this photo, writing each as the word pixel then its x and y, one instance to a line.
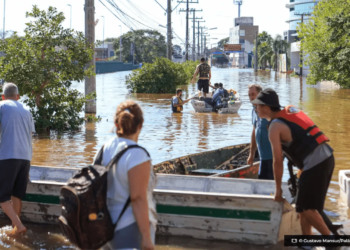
pixel 168 135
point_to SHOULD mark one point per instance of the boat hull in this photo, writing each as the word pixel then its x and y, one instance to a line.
pixel 239 210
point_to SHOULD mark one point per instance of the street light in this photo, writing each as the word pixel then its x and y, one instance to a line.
pixel 120 44
pixel 103 55
pixel 70 15
pixel 3 31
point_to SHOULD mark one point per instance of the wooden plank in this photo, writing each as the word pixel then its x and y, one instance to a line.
pixel 247 171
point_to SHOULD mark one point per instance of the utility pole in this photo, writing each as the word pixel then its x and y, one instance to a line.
pixel 194 33
pixel 187 28
pixel 256 53
pixel 187 38
pixel 120 44
pixel 169 32
pixel 3 29
pixel 90 82
pixel 201 40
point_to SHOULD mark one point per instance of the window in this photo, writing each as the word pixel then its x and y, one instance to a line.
pixel 241 41
pixel 291 9
pixel 306 8
pixel 291 1
pixel 242 33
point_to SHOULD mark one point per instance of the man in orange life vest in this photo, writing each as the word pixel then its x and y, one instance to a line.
pixel 293 133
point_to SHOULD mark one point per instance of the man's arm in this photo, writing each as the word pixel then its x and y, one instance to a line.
pixel 253 147
pixel 275 140
pixel 209 75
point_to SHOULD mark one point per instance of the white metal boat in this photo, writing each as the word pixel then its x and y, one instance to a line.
pixel 230 209
pixel 201 106
pixel 344 183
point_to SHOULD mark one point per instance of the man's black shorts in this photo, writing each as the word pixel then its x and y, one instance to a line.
pixel 313 185
pixel 203 84
pixel 13 178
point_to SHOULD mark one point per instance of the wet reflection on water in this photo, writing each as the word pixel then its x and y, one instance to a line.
pixel 167 135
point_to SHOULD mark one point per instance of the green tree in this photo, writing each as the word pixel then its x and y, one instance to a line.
pixel 325 39
pixel 149 45
pixel 43 64
pixel 162 76
pixel 279 46
pixel 222 42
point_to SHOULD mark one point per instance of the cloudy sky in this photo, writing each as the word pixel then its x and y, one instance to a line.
pixel 270 15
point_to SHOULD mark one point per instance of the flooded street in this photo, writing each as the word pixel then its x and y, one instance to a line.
pixel 167 135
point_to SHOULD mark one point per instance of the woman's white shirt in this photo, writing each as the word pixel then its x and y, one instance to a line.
pixel 118 182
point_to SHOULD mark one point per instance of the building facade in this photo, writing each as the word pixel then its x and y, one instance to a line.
pixel 244 32
pixel 297 8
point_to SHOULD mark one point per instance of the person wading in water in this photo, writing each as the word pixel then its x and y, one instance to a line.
pixel 177 102
pixel 294 134
pixel 204 72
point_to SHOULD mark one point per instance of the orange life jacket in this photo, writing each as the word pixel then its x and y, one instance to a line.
pixel 305 134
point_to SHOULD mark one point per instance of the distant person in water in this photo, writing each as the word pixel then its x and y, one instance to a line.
pixel 16 131
pixel 177 102
pixel 204 72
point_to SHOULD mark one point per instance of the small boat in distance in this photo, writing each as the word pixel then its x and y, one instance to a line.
pixel 229 107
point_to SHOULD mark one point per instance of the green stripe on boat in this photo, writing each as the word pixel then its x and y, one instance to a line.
pixel 215 212
pixel 40 198
pixel 179 210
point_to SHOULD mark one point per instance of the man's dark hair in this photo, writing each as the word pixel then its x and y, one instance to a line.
pixel 216 84
pixel 221 85
pixel 275 109
pixel 202 59
pixel 178 91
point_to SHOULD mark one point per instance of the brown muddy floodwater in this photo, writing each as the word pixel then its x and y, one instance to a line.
pixel 168 135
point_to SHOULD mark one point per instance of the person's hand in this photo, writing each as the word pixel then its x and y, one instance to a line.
pixel 147 244
pixel 250 160
pixel 193 80
pixel 278 195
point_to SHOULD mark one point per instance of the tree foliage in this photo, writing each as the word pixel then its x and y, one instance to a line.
pixel 162 76
pixel 269 49
pixel 43 65
pixel 149 44
pixel 222 42
pixel 325 39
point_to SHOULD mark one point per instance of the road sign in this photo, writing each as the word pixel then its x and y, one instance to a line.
pixel 232 47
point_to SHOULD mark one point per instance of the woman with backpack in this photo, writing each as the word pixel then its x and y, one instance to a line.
pixel 132 177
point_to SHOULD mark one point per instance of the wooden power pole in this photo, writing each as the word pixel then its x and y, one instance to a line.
pixel 194 33
pixel 90 82
pixel 169 31
pixel 187 28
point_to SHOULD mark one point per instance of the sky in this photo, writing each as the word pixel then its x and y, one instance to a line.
pixel 270 15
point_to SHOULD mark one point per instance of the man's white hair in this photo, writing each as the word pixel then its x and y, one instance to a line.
pixel 10 90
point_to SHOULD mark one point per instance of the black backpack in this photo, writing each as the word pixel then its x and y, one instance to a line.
pixel 85 218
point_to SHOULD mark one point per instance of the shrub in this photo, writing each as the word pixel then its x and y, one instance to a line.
pixel 162 76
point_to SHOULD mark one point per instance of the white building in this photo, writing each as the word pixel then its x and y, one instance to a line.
pixel 296 9
pixel 244 32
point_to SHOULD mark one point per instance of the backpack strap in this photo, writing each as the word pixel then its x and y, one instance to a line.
pixel 115 160
pixel 99 157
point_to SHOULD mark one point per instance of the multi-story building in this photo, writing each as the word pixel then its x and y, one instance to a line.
pixel 244 32
pixel 296 9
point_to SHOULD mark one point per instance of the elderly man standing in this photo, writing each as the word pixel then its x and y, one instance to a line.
pixel 260 139
pixel 16 128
